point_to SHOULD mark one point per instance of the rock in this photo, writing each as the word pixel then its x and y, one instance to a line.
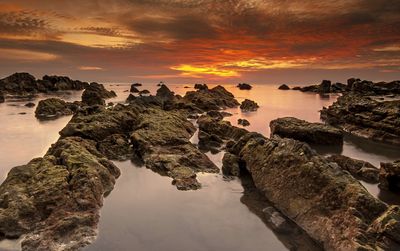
pixel 53 108
pixel 249 106
pixel 200 87
pixel 365 117
pixel 54 201
pixel 321 198
pixel 186 87
pixel 284 87
pixel 389 176
pixel 60 83
pixel 220 128
pixel 145 92
pixel 116 147
pixel 278 222
pixel 314 133
pixel 244 86
pixel 243 122
pixel 136 84
pixel 2 97
pixel 30 104
pixel 215 115
pixel 296 88
pixel 209 141
pixel 133 89
pixel 22 113
pixel 230 165
pixel 165 93
pixel 325 86
pixel 350 82
pixel 19 83
pixel 358 168
pixel 338 88
pixel 209 99
pixel 95 94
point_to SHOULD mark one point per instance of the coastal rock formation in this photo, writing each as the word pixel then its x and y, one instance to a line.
pixel 314 133
pixel 244 86
pixel 223 129
pixel 55 200
pixel 389 176
pixel 230 165
pixel 365 117
pixel 284 87
pixel 200 87
pixel 144 92
pixel 243 122
pixel 358 168
pixel 249 105
pixel 133 89
pixel 136 84
pixel 95 94
pixel 53 108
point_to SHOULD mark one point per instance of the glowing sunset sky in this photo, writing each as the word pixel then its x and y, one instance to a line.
pixel 202 40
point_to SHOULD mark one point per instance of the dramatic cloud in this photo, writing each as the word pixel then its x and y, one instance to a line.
pixel 180 40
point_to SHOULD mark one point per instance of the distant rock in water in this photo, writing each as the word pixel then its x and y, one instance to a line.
pixel 53 108
pixel 358 168
pixel 30 104
pixel 95 94
pixel 200 87
pixel 243 122
pixel 389 176
pixel 249 105
pixel 133 89
pixel 284 87
pixel 244 86
pixel 136 84
pixel 314 133
pixel 145 92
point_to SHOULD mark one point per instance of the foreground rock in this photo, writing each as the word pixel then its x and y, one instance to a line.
pixel 95 94
pixel 55 200
pixel 389 176
pixel 243 122
pixel 358 168
pixel 249 106
pixel 244 86
pixel 314 133
pixel 53 108
pixel 364 117
pixel 24 84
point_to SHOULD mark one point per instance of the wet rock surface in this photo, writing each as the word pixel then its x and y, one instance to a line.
pixel 365 117
pixel 315 133
pixel 249 105
pixel 358 168
pixel 389 176
pixel 53 108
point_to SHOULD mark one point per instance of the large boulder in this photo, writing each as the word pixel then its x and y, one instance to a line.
pixel 53 108
pixel 19 83
pixel 248 106
pixel 358 168
pixel 314 133
pixel 389 176
pixel 95 94
pixel 325 86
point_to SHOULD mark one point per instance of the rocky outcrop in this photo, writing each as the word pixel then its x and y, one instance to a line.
pixel 284 87
pixel 136 85
pixel 220 128
pixel 53 108
pixel 24 84
pixel 200 87
pixel 230 165
pixel 365 117
pixel 358 168
pixel 321 198
pixel 145 92
pixel 95 94
pixel 389 176
pixel 244 86
pixel 55 200
pixel 314 133
pixel 243 122
pixel 134 89
pixel 249 106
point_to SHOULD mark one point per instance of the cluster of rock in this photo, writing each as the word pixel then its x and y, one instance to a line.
pixel 24 84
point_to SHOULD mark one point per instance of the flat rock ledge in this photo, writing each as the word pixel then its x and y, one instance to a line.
pixel 313 133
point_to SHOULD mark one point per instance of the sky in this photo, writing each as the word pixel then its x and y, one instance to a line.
pixel 191 41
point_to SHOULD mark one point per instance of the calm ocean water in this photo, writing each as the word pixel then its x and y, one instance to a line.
pixel 145 212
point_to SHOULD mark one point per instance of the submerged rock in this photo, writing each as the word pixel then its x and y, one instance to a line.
pixel 244 86
pixel 249 105
pixel 53 108
pixel 95 94
pixel 389 176
pixel 358 168
pixel 314 133
pixel 284 87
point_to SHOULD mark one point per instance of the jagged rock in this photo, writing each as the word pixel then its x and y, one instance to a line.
pixel 95 94
pixel 358 168
pixel 116 147
pixel 230 165
pixel 200 87
pixel 244 86
pixel 314 133
pixel 210 99
pixel 165 93
pixel 30 104
pixel 19 83
pixel 145 92
pixel 215 115
pixel 243 122
pixel 249 105
pixel 365 117
pixel 351 81
pixel 133 89
pixel 53 108
pixel 209 141
pixel 58 83
pixel 325 86
pixel 284 87
pixel 220 128
pixel 389 176
pixel 55 200
pixel 338 88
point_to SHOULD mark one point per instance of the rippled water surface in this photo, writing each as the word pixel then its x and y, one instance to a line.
pixel 145 212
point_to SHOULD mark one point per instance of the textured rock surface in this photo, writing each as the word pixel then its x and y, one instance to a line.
pixel 243 122
pixel 389 176
pixel 249 105
pixel 358 168
pixel 95 94
pixel 365 117
pixel 315 133
pixel 53 108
